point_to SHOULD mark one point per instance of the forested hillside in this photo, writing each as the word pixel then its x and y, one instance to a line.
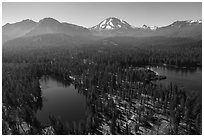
pixel 111 74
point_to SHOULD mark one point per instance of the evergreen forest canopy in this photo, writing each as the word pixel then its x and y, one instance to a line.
pixel 108 72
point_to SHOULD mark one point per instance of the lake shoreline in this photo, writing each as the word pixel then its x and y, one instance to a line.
pixel 175 66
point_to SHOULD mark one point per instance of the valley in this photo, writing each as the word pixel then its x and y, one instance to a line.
pixel 60 78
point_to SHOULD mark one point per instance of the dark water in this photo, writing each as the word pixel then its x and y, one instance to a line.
pixel 191 80
pixel 65 102
pixel 62 101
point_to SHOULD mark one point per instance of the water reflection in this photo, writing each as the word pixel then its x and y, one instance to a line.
pixel 190 79
pixel 62 100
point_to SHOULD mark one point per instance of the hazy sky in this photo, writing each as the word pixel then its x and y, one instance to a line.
pixel 89 14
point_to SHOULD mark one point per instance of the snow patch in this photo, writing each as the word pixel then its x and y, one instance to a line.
pixel 153 27
pixel 71 77
pixel 111 24
pixel 144 26
pixel 122 21
pixel 109 21
pixel 109 27
pixel 149 27
pixel 194 21
pixel 200 21
pixel 103 23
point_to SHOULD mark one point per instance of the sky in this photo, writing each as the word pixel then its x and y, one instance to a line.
pixel 89 14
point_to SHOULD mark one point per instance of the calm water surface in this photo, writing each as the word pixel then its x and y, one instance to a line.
pixel 191 80
pixel 65 102
pixel 62 101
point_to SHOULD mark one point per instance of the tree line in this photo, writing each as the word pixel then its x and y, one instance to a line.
pixel 108 76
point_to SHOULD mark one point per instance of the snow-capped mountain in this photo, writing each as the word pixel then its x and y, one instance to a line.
pixel 148 27
pixel 194 21
pixel 153 27
pixel 186 23
pixel 112 23
pixel 110 27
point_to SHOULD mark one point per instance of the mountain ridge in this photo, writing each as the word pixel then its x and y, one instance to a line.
pixel 189 21
pixel 109 27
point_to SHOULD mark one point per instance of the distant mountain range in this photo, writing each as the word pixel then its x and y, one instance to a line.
pixel 110 27
pixel 27 28
pixel 117 27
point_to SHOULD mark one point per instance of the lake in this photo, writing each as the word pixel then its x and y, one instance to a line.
pixel 62 101
pixel 65 102
pixel 190 79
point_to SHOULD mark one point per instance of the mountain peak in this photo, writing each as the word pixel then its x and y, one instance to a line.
pixel 28 20
pixel 23 22
pixel 48 21
pixel 144 26
pixel 149 27
pixel 186 23
pixel 194 21
pixel 112 23
pixel 112 18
